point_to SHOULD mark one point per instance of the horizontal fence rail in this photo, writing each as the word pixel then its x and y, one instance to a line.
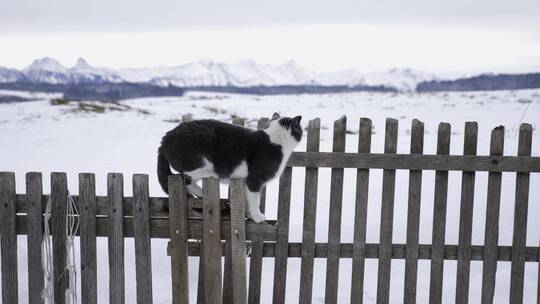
pixel 216 230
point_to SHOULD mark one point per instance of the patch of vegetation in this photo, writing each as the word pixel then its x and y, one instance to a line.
pixel 173 120
pixel 59 102
pixel 215 110
pixel 97 107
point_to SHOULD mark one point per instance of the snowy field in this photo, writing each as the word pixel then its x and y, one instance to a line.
pixel 74 138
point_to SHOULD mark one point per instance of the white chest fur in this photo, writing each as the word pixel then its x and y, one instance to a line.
pixel 282 137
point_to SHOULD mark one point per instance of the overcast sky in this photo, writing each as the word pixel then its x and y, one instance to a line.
pixel 457 35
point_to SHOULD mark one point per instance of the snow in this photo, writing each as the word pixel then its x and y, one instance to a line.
pixel 36 136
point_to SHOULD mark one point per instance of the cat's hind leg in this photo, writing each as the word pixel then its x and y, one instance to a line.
pixel 253 198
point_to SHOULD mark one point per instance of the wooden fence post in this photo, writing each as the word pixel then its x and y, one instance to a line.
pixel 413 216
pixel 87 207
pixel 115 196
pixel 282 243
pixel 179 239
pixel 141 233
pixel 387 215
pixel 334 220
pixel 439 218
pixel 310 215
pixel 8 238
pixel 520 219
pixel 59 194
pixel 227 273
pixel 491 238
pixel 238 241
pixel 34 202
pixel 212 241
pixel 360 216
pixel 466 217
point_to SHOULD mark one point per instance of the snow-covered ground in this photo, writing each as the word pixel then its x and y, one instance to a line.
pixel 38 136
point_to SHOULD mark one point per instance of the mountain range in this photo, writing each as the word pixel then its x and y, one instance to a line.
pixel 248 76
pixel 209 73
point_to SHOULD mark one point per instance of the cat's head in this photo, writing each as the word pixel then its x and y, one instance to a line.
pixel 289 124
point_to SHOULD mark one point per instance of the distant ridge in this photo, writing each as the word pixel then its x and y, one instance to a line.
pixel 485 82
pixel 250 77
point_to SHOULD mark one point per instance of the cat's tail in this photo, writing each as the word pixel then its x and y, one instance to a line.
pixel 163 171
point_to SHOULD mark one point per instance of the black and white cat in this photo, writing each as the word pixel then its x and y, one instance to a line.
pixel 210 148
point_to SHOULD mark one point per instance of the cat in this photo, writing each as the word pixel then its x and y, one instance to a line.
pixel 210 148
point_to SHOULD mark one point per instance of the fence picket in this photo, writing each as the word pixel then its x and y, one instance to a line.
pixel 238 242
pixel 87 207
pixel 466 217
pixel 491 238
pixel 360 216
pixel 8 238
pixel 439 218
pixel 34 199
pixel 310 211
pixel 115 195
pixel 520 219
pixel 413 215
pixel 212 241
pixel 227 274
pixel 59 194
pixel 141 231
pixel 282 243
pixel 179 239
pixel 387 215
pixel 334 221
pixel 255 262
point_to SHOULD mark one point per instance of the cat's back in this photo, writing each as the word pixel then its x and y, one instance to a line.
pixel 206 132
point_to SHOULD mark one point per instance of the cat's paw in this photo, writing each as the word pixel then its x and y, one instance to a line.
pixel 257 218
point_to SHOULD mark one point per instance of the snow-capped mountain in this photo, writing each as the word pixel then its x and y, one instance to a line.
pixel 49 70
pixel 11 75
pixel 82 72
pixel 209 73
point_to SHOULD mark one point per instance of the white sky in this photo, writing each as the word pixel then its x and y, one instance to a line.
pixel 449 36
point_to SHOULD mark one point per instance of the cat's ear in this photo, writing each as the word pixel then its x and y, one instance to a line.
pixel 296 120
pixel 275 116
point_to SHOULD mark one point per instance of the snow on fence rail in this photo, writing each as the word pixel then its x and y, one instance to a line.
pixel 224 231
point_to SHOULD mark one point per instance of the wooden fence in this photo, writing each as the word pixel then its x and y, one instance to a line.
pixel 221 225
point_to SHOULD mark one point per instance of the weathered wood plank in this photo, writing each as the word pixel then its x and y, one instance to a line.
pixel 115 192
pixel 387 215
pixel 491 238
pixel 334 219
pixel 87 201
pixel 360 216
pixel 504 253
pixel 466 217
pixel 8 239
pixel 227 273
pixel 211 242
pixel 34 196
pixel 520 219
pixel 255 262
pixel 238 242
pixel 439 218
pixel 413 215
pixel 310 214
pixel 59 194
pixel 141 229
pixel 283 215
pixel 179 240
pixel 415 162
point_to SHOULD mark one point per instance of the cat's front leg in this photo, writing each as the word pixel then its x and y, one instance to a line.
pixel 253 198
